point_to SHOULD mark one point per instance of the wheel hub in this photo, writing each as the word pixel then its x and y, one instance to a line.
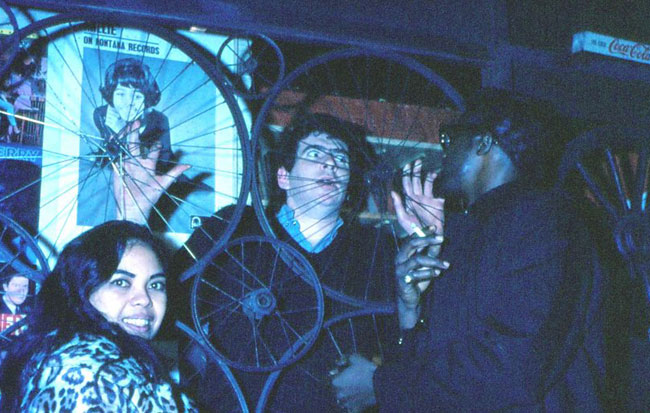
pixel 632 235
pixel 259 303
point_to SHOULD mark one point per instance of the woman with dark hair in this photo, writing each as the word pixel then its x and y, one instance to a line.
pixel 87 347
pixel 127 123
pixel 131 92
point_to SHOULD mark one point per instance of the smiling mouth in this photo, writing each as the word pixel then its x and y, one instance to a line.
pixel 137 322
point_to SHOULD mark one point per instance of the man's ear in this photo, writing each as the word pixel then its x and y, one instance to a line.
pixel 283 178
pixel 485 143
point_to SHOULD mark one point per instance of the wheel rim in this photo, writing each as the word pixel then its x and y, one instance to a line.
pixel 19 252
pixel 196 119
pixel 199 367
pixel 255 301
pixel 357 332
pixel 395 112
pixel 254 65
pixel 9 39
pixel 610 168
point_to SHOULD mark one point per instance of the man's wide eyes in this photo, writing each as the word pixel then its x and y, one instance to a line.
pixel 314 154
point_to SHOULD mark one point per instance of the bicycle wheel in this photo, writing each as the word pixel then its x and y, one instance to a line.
pixel 19 252
pixel 611 168
pixel 400 104
pixel 255 301
pixel 9 39
pixel 207 380
pixel 255 64
pixel 112 108
pixel 367 332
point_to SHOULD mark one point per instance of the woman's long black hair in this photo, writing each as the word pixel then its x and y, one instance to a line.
pixel 63 309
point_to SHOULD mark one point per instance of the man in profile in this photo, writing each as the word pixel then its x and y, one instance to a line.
pixel 514 322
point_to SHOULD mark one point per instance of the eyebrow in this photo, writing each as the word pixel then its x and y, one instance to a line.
pixel 131 275
pixel 324 149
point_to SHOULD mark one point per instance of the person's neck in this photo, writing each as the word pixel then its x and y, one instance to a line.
pixel 497 174
pixel 315 223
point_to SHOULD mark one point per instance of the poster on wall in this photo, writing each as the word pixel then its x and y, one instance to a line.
pixel 100 82
pixel 22 106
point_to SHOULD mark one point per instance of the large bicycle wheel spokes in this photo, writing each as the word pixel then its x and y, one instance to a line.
pixel 255 64
pixel 206 379
pixel 258 304
pixel 611 167
pixel 19 252
pixel 9 39
pixel 400 104
pixel 369 333
pixel 111 110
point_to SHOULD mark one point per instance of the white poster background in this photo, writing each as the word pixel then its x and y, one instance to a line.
pixel 74 74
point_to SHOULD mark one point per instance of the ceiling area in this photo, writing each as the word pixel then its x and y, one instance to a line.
pixel 522 45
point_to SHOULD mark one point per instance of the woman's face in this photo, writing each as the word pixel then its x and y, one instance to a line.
pixel 128 101
pixel 135 297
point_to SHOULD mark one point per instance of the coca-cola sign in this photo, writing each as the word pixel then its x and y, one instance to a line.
pixel 611 46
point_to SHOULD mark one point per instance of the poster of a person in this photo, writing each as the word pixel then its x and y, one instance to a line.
pixel 111 101
pixel 131 92
pixel 130 96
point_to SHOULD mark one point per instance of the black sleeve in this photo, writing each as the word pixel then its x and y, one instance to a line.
pixel 519 340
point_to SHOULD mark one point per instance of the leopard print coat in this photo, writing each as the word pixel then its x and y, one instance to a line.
pixel 87 374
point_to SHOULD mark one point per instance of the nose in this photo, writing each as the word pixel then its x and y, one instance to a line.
pixel 140 297
pixel 329 162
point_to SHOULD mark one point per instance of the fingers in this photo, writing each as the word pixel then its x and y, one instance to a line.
pixel 417 194
pixel 154 152
pixel 416 277
pixel 429 263
pixel 424 269
pixel 403 217
pixel 406 180
pixel 416 180
pixel 414 244
pixel 428 184
pixel 166 180
pixel 132 138
pixel 411 179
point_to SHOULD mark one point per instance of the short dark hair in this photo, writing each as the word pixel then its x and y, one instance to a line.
pixel 63 309
pixel 6 279
pixel 302 124
pixel 133 73
pixel 523 128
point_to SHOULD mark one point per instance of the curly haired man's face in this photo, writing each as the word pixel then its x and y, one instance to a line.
pixel 129 102
pixel 320 174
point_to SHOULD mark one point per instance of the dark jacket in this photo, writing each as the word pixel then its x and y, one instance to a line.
pixel 4 309
pixel 359 264
pixel 515 324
